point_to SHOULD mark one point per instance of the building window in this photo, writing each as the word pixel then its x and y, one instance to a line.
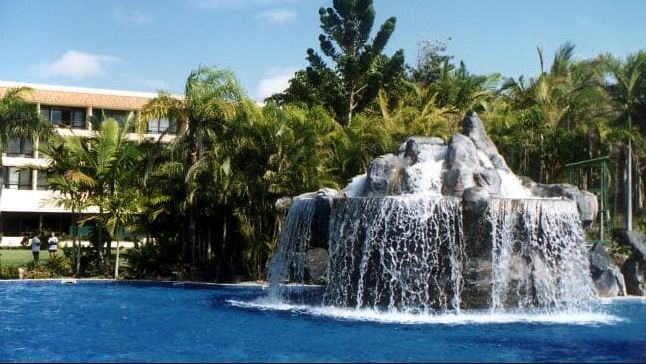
pixel 19 147
pixel 41 180
pixel 16 178
pixel 103 114
pixel 64 117
pixel 158 126
pixel 119 115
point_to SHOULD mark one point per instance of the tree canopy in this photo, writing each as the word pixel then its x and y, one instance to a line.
pixel 359 67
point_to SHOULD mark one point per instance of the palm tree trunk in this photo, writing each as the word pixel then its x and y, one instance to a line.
pixel 209 244
pixel 99 247
pixel 108 254
pixel 615 197
pixel 192 236
pixel 76 245
pixel 542 167
pixel 629 183
pixel 351 104
pixel 223 245
pixel 116 263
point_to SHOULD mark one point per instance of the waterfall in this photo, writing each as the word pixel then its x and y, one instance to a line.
pixel 425 176
pixel 356 186
pixel 538 255
pixel 288 262
pixel 400 253
pixel 411 253
pixel 453 228
pixel 510 186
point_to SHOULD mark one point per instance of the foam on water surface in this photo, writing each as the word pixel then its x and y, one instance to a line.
pixel 465 317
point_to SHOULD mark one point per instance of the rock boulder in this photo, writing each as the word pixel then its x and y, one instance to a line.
pixel 384 175
pixel 471 160
pixel 634 269
pixel 586 202
pixel 316 260
pixel 607 278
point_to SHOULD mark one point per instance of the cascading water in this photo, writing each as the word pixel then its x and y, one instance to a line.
pixel 287 263
pixel 442 227
pixel 395 253
pixel 425 176
pixel 538 255
pixel 511 187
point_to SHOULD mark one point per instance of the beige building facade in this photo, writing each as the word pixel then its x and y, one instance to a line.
pixel 26 205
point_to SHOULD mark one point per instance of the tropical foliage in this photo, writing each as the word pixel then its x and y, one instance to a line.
pixel 206 200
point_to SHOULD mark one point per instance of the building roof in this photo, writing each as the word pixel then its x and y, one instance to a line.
pixel 80 96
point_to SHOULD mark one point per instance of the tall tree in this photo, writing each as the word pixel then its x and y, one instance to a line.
pixel 554 114
pixel 431 59
pixel 360 67
pixel 64 176
pixel 212 105
pixel 18 119
pixel 627 76
pixel 95 173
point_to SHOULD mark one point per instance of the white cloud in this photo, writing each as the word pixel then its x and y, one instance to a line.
pixel 215 4
pixel 238 4
pixel 154 84
pixel 276 80
pixel 76 64
pixel 278 16
pixel 131 17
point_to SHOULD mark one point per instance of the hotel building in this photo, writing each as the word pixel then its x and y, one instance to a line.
pixel 25 202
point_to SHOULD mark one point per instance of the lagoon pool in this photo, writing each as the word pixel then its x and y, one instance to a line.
pixel 146 322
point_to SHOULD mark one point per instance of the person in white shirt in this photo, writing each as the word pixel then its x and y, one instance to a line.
pixel 52 243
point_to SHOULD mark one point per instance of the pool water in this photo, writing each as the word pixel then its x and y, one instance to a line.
pixel 92 321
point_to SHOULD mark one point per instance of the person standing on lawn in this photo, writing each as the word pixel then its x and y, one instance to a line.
pixel 53 245
pixel 35 247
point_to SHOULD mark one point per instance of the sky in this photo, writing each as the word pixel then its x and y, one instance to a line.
pixel 152 45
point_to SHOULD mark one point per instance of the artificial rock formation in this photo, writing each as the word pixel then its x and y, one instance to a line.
pixel 316 260
pixel 608 280
pixel 472 160
pixel 634 268
pixel 587 203
pixel 449 226
pixel 384 175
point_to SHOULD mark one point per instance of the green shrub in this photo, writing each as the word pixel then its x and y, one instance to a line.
pixel 154 259
pixel 8 272
pixel 90 261
pixel 59 267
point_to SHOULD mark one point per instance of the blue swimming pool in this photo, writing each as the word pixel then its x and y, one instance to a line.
pixel 99 321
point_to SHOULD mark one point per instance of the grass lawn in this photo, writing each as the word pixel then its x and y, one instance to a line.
pixel 17 257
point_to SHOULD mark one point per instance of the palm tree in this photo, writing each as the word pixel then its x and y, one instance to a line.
pixel 66 177
pixel 627 76
pixel 463 91
pixel 212 103
pixel 96 172
pixel 19 119
pixel 416 112
pixel 111 163
pixel 558 107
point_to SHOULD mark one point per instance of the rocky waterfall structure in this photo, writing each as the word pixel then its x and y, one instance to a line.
pixel 441 226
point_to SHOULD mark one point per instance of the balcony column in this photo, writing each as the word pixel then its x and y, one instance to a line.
pixel 88 115
pixel 136 121
pixel 34 179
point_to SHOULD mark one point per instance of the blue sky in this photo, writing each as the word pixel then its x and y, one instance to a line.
pixel 148 45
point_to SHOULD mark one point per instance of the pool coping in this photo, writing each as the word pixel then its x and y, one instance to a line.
pixel 187 284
